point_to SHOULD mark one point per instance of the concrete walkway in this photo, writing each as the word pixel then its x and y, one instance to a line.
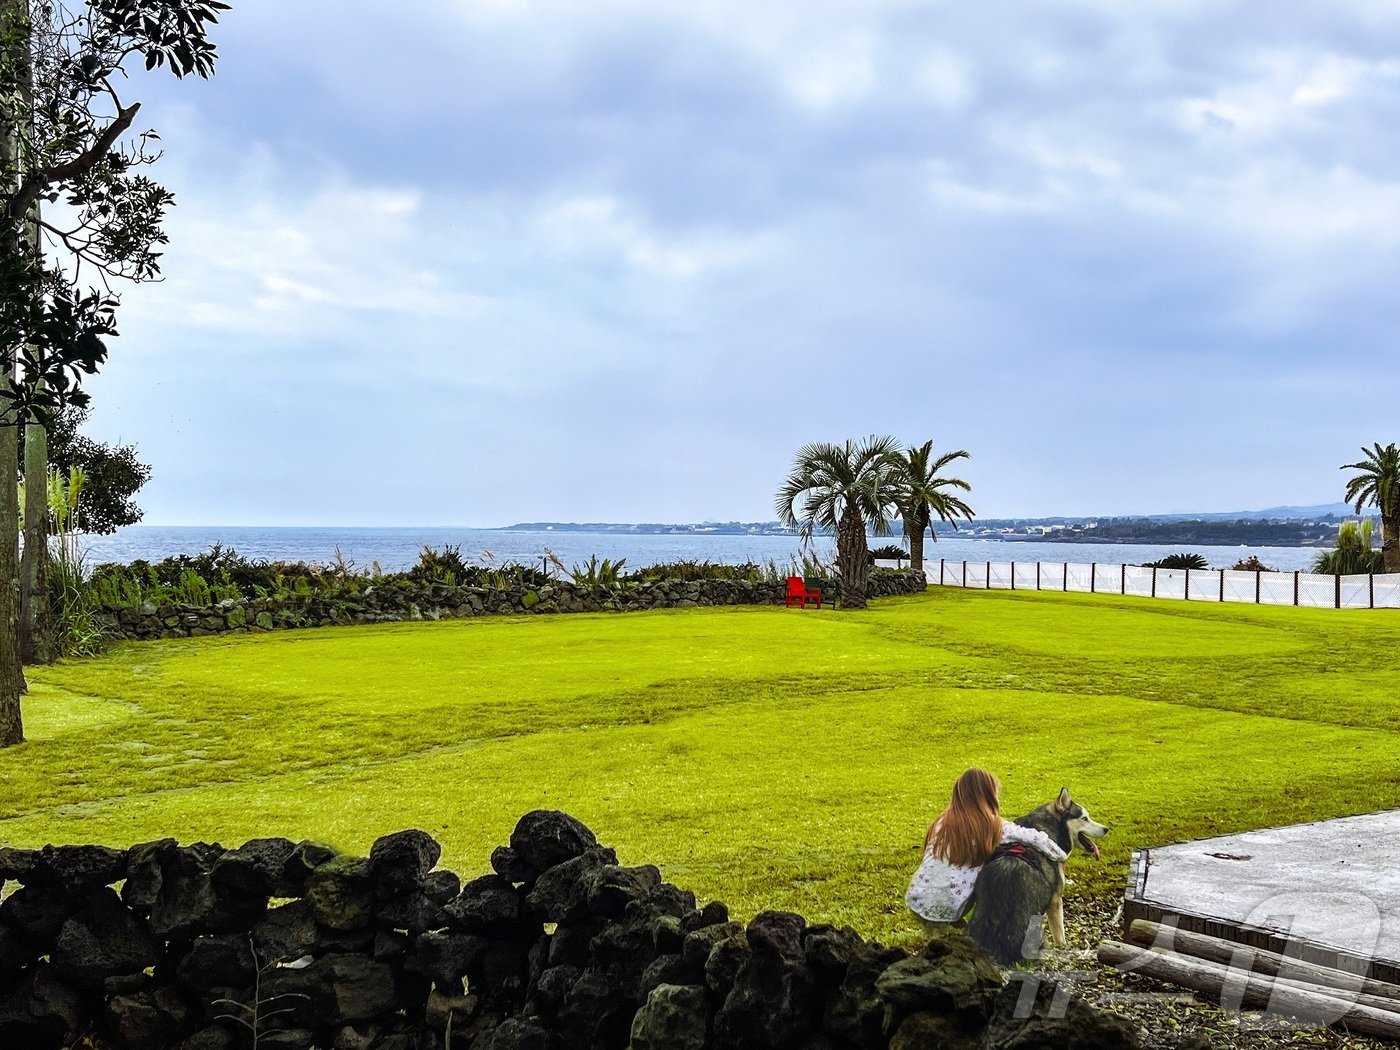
pixel 1327 892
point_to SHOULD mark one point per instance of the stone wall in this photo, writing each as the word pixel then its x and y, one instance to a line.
pixel 403 601
pixel 560 948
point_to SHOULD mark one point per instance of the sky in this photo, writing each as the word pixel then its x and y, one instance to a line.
pixel 476 262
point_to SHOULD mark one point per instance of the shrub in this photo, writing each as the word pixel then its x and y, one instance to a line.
pixel 1252 564
pixel 1178 561
pixel 1354 555
pixel 890 552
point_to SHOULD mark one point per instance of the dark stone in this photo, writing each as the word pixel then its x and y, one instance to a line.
pixel 13 955
pixel 82 869
pixel 306 858
pixel 399 862
pixel 698 944
pixel 711 914
pixel 441 886
pixel 188 903
pixel 1056 1018
pixel 552 988
pixel 666 899
pixel 413 912
pixel 595 1014
pixel 212 1038
pixel 38 911
pixel 138 1021
pixel 286 932
pixel 570 943
pixel 224 960
pixel 855 1013
pixel 560 894
pixel 335 989
pixel 22 865
pixel 613 888
pixel 774 1002
pixel 516 1033
pixel 256 867
pixel 666 935
pixel 145 871
pixel 341 893
pixel 544 837
pixel 445 958
pixel 390 945
pixel 828 951
pixel 104 940
pixel 357 1037
pixel 777 933
pixel 674 1017
pixel 287 1039
pixel 668 969
pixel 51 999
pixel 724 962
pixel 486 903
pixel 951 974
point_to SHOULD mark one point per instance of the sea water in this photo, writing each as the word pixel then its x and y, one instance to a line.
pixel 396 549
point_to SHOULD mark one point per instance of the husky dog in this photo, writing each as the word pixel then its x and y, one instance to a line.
pixel 1020 887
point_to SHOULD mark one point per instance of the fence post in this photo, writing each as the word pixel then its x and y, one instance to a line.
pixel 1295 586
pixel 1065 585
pixel 989 576
pixel 964 572
pixel 1037 575
pixel 1093 577
pixel 1258 583
pixel 940 572
pixel 1222 585
pixel 1337 593
pixel 1013 575
pixel 1123 578
pixel 1187 589
pixel 1154 581
pixel 1371 591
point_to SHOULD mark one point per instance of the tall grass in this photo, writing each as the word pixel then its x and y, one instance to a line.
pixel 79 628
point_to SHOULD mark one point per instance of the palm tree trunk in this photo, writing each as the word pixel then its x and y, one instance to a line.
pixel 1390 540
pixel 852 552
pixel 916 539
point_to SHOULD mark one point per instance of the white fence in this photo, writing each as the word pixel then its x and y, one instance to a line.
pixel 1196 585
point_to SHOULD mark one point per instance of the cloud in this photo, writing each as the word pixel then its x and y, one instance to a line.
pixel 605 238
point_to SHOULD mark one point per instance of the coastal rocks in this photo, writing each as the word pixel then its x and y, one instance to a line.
pixel 560 948
pixel 439 601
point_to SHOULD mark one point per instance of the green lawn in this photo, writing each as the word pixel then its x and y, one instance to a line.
pixel 773 758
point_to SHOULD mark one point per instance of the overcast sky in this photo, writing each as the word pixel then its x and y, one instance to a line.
pixel 477 262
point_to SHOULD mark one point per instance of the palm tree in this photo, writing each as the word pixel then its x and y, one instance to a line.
pixel 844 489
pixel 925 495
pixel 1379 484
pixel 1354 554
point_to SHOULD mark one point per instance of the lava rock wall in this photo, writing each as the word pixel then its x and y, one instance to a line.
pixel 277 944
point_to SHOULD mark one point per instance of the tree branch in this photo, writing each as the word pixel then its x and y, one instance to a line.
pixel 83 162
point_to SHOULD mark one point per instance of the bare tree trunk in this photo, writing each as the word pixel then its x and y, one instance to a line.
pixel 14 15
pixel 35 615
pixel 12 684
pixel 853 554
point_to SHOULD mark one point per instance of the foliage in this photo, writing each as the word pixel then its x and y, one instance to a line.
pixel 694 571
pixel 1354 555
pixel 1187 560
pixel 844 489
pixel 890 552
pixel 79 628
pixel 673 735
pixel 1378 483
pixel 595 573
pixel 1252 564
pixel 926 494
pixel 113 472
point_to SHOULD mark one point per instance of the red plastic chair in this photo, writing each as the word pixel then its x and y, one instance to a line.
pixel 799 594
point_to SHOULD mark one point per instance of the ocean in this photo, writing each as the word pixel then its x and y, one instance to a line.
pixel 397 548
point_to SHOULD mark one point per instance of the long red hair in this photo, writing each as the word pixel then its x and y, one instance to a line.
pixel 966 833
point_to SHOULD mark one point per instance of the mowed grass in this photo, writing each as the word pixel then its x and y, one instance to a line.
pixel 768 757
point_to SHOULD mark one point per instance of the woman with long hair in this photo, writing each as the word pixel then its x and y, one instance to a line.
pixel 959 842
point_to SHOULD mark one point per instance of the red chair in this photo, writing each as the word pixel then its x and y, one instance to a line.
pixel 799 594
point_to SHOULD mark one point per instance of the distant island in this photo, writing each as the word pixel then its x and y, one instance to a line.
pixel 1275 527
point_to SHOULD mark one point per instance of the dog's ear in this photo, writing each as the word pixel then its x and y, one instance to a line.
pixel 1062 803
